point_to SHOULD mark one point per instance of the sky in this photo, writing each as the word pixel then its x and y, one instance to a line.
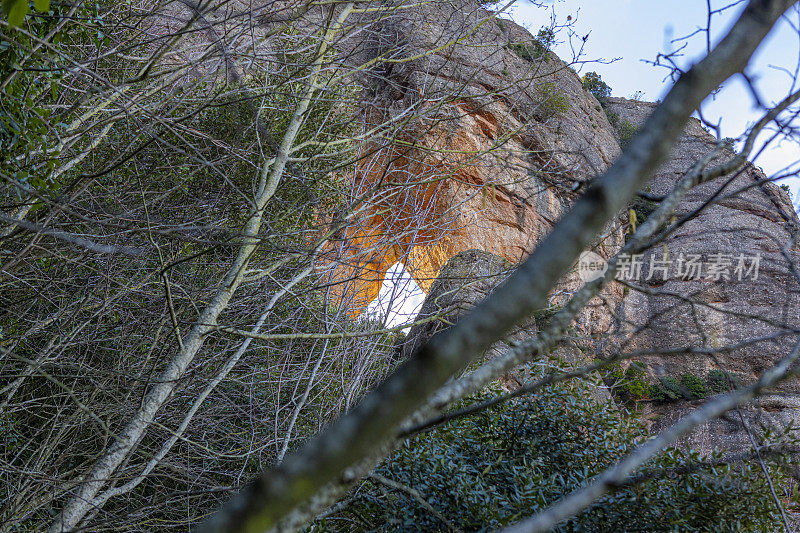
pixel 627 33
pixel 623 35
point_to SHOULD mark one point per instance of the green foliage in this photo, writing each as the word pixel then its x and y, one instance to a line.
pixel 29 127
pixel 551 101
pixel 537 48
pixel 633 384
pixel 657 393
pixel 545 39
pixel 668 388
pixel 613 117
pixel 787 190
pixel 718 381
pixel 499 466
pixel 16 10
pixel 636 381
pixel 524 50
pixel 693 386
pixel 629 384
pixel 626 131
pixel 593 83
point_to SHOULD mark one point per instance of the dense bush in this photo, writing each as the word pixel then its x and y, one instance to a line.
pixel 627 385
pixel 551 101
pixel 693 385
pixel 625 130
pixel 593 83
pixel 718 381
pixel 667 389
pixel 493 469
pixel 537 48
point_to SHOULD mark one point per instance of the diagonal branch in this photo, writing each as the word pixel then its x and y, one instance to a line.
pixel 358 434
pixel 619 473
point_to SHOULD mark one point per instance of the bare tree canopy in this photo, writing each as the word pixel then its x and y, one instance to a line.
pixel 203 205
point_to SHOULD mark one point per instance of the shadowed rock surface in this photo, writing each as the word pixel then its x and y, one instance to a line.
pixel 465 280
pixel 749 218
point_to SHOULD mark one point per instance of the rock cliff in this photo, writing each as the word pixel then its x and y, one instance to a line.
pixel 485 163
pixel 698 332
pixel 747 318
pixel 489 164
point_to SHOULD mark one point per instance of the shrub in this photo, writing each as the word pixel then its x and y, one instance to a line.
pixel 551 100
pixel 625 131
pixel 635 384
pixel 593 83
pixel 658 393
pixel 693 385
pixel 787 190
pixel 627 385
pixel 499 466
pixel 523 50
pixel 613 118
pixel 545 39
pixel 667 389
pixel 719 381
pixel 612 374
pixel 537 48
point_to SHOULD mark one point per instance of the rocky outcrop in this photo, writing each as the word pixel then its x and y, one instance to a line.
pixel 484 164
pixel 751 316
pixel 488 166
pixel 467 278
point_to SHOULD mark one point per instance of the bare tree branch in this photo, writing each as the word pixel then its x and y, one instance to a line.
pixel 371 423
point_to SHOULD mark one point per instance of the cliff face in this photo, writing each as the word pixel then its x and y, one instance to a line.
pixel 490 165
pixel 691 323
pixel 746 315
pixel 485 164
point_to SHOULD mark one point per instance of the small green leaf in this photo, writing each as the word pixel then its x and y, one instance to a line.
pixel 16 9
pixel 42 6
